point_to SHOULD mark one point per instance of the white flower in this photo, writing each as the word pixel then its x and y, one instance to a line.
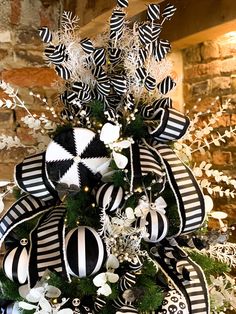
pixel 109 133
pixel 102 279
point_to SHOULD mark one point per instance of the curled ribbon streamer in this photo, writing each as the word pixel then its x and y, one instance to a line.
pixel 30 176
pixel 195 288
pixel 49 232
pixel 25 208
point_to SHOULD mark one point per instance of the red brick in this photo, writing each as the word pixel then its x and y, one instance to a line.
pixel 14 155
pixel 15 12
pixel 25 136
pixel 227 49
pixel 7 171
pixel 210 51
pixel 7 119
pixel 220 158
pixel 192 55
pixel 228 66
pixel 221 85
pixel 202 71
pixel 30 77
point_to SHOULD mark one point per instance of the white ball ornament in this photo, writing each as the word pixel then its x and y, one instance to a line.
pixel 15 263
pixel 84 251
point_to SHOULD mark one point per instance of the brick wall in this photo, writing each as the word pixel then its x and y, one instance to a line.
pixel 210 71
pixel 22 65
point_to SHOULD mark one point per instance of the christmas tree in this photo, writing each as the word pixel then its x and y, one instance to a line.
pixel 109 219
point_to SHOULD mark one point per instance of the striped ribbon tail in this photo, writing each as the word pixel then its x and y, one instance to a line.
pixel 176 264
pixel 173 125
pixel 47 251
pixel 31 177
pixel 25 208
pixel 149 164
pixel 188 194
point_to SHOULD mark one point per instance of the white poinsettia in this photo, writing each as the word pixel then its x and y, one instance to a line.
pixel 102 280
pixel 39 295
pixel 110 134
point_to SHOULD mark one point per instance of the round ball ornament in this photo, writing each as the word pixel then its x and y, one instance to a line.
pixel 127 309
pixel 84 251
pixel 156 225
pixel 76 157
pixel 15 263
pixel 174 303
pixel 110 197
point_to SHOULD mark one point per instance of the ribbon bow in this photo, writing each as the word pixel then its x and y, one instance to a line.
pixel 145 206
pixel 148 81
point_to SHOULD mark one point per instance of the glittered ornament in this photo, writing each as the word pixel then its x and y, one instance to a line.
pixel 84 251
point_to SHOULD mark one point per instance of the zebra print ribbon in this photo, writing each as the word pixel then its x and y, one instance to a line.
pixel 25 208
pixel 148 81
pixel 45 34
pixel 189 197
pixel 47 249
pixel 30 176
pixel 186 276
pixel 153 12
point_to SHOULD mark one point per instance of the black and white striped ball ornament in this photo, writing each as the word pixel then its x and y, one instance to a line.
pixel 110 197
pixel 84 251
pixel 12 308
pixel 127 309
pixel 15 263
pixel 156 225
pixel 174 303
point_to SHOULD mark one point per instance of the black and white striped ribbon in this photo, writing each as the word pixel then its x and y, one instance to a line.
pixel 166 85
pixel 156 30
pixel 145 34
pixel 119 84
pixel 30 176
pixel 80 86
pixel 47 249
pixel 169 11
pixel 189 197
pixel 63 72
pixel 114 55
pixel 161 48
pixel 99 56
pixel 173 261
pixel 127 309
pixel 164 103
pixel 119 302
pixel 153 12
pixel 49 50
pixel 58 55
pixel 123 3
pixel 142 56
pixel 25 208
pixel 149 163
pixel 129 102
pixel 149 81
pixel 87 45
pixel 172 125
pixel 45 34
pixel 117 21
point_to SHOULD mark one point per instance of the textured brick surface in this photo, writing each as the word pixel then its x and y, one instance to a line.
pixel 30 77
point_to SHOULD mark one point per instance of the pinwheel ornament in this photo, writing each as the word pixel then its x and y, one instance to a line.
pixel 76 156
